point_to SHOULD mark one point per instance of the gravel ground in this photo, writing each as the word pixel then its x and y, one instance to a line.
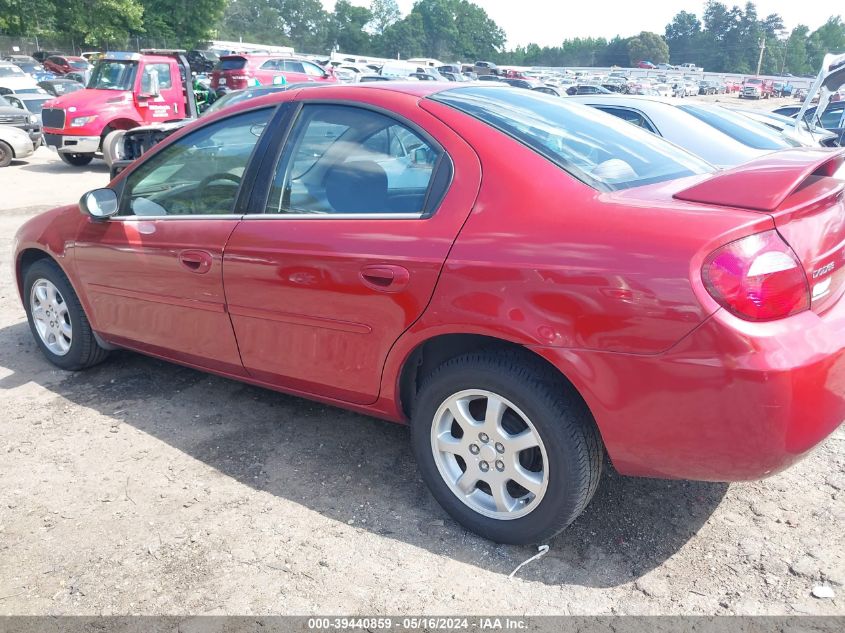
pixel 141 487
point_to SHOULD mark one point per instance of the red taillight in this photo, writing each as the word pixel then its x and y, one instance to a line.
pixel 757 278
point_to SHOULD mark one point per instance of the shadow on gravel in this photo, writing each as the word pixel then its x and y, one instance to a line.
pixel 351 467
pixel 58 166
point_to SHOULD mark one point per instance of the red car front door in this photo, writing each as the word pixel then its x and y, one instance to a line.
pixel 357 223
pixel 152 276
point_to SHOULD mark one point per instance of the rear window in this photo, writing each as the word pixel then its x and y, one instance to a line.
pixel 230 63
pixel 747 132
pixel 598 149
pixel 10 71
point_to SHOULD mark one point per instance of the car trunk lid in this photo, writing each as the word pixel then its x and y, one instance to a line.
pixel 803 191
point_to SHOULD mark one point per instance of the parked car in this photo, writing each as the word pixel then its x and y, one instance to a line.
pixel 202 61
pixel 14 144
pixel 235 72
pixel 665 118
pixel 380 231
pixel 756 88
pixel 11 116
pixel 14 80
pixel 804 134
pixel 664 90
pixel 832 119
pixel 586 89
pixel 32 103
pixel 782 89
pixel 689 66
pixel 40 56
pixel 788 110
pixel 79 77
pixel 646 64
pixel 32 68
pixel 665 67
pixel 485 68
pixel 64 64
pixel 59 87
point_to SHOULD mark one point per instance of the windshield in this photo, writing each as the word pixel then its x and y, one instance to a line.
pixel 10 71
pixel 114 75
pixel 746 131
pixel 29 67
pixel 35 105
pixel 753 81
pixel 599 149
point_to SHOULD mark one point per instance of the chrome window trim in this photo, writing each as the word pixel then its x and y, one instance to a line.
pixel 334 216
pixel 187 216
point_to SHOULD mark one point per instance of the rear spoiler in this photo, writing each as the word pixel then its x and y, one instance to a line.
pixel 765 183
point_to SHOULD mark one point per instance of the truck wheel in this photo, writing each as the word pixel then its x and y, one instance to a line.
pixel 113 146
pixel 6 154
pixel 504 447
pixel 76 160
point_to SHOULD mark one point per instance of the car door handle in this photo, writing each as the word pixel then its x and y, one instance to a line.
pixel 196 261
pixel 385 277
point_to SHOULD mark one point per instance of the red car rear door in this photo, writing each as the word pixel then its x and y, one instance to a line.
pixel 360 212
pixel 152 275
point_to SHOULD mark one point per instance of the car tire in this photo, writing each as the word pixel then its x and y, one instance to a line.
pixel 76 160
pixel 6 154
pixel 62 330
pixel 538 407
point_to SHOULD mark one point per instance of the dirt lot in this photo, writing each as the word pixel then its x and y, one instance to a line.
pixel 143 487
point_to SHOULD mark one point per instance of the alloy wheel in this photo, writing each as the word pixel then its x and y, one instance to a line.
pixel 51 317
pixel 489 454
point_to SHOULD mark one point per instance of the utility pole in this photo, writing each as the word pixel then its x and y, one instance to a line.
pixel 762 48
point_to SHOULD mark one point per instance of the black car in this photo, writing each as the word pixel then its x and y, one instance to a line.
pixel 202 61
pixel 40 56
pixel 833 118
pixel 61 86
pixel 587 89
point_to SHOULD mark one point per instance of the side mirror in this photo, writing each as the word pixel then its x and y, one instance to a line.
pixel 100 204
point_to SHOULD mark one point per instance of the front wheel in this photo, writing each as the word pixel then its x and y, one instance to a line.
pixel 6 154
pixel 56 318
pixel 505 447
pixel 76 160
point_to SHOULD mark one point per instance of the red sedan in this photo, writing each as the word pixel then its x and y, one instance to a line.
pixel 529 283
pixel 62 65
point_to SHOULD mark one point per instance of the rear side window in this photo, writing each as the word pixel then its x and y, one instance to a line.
pixel 746 131
pixel 231 63
pixel 631 116
pixel 600 150
pixel 343 160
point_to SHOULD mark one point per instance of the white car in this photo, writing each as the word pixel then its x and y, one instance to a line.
pixel 683 124
pixel 14 79
pixel 664 90
pixel 14 143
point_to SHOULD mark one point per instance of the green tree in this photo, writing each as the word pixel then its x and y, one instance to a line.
pixel 684 38
pixel 252 21
pixel 185 23
pixel 797 59
pixel 384 13
pixel 102 23
pixel 402 39
pixel 648 46
pixel 348 22
pixel 828 38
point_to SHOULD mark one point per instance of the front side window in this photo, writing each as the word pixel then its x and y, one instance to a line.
pixel 343 159
pixel 313 70
pixel 160 71
pixel 200 173
pixel 602 151
pixel 293 66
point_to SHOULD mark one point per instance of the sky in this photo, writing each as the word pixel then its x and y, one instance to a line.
pixel 549 22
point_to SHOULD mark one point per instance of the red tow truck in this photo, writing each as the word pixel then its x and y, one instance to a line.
pixel 757 88
pixel 126 90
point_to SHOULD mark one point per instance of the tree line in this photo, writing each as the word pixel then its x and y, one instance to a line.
pixel 723 39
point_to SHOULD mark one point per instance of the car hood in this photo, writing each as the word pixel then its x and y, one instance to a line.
pixel 18 82
pixel 91 101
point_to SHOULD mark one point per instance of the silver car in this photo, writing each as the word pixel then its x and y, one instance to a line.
pixel 14 143
pixel 687 128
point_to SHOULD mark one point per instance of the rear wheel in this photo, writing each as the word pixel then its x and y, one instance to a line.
pixel 6 154
pixel 504 447
pixel 76 160
pixel 57 320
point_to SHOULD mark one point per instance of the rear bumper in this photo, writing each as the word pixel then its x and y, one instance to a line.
pixel 732 401
pixel 72 144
